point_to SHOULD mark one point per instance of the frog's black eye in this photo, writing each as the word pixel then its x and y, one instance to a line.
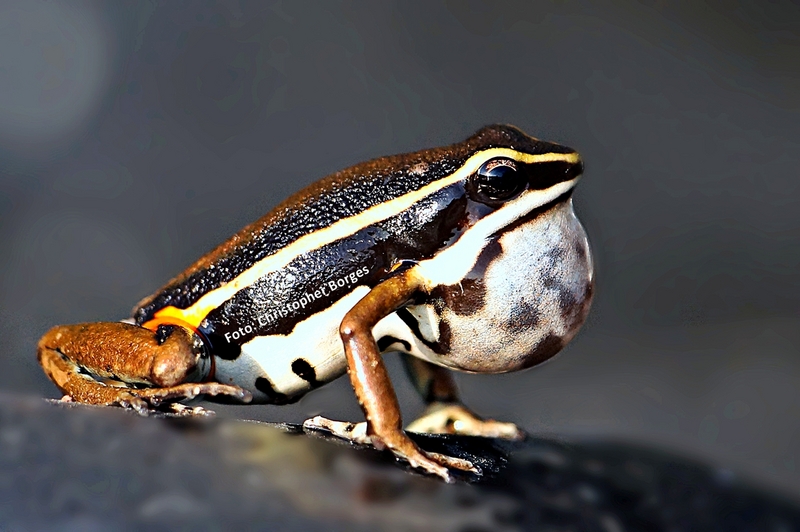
pixel 496 181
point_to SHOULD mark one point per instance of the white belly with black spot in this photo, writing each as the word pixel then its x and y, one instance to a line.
pixel 315 340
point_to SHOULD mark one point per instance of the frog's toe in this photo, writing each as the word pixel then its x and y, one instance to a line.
pixel 181 410
pixel 455 463
pixel 189 391
pixel 128 400
pixel 354 432
pixel 431 463
pixel 147 401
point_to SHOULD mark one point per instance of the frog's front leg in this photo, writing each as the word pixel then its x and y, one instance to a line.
pixel 445 413
pixel 371 382
pixel 115 363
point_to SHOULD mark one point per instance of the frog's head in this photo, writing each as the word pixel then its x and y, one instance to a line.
pixel 510 163
pixel 515 285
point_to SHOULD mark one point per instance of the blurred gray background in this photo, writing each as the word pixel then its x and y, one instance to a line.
pixel 135 136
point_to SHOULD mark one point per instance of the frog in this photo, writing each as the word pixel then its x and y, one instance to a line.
pixel 467 257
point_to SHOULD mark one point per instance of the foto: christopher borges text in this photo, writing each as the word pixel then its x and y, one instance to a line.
pixel 326 290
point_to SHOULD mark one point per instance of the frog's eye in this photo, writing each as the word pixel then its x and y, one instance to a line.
pixel 496 181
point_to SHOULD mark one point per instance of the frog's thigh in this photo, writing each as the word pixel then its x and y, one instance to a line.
pixel 80 387
pixel 114 363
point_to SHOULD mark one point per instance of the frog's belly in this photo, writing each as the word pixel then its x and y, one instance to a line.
pixel 281 368
pixel 526 297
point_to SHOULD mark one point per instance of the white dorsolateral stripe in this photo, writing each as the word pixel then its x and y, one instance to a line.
pixel 348 226
pixel 451 265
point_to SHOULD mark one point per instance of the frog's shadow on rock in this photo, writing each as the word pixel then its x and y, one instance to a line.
pixel 489 455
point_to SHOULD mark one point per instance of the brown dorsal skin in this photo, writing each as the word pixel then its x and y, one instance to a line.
pixel 414 234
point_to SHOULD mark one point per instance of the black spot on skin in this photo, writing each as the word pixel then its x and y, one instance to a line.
pixel 522 317
pixel 576 314
pixel 305 371
pixel 574 309
pixel 580 250
pixel 567 302
pixel 469 296
pixel 546 348
pixel 163 332
pixel 445 336
pixel 276 398
pixel 558 254
pixel 465 298
pixel 386 341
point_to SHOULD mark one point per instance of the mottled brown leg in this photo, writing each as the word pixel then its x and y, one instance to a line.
pixel 121 364
pixel 445 413
pixel 371 380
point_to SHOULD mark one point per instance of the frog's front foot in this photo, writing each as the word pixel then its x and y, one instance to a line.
pixel 455 418
pixel 161 400
pixel 400 445
pixel 166 400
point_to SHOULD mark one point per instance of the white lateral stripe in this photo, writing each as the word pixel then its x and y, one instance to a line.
pixel 348 226
pixel 450 266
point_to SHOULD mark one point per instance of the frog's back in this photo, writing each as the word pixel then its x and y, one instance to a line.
pixel 274 293
pixel 338 200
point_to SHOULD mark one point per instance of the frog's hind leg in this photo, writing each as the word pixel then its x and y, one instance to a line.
pixel 114 363
pixel 445 414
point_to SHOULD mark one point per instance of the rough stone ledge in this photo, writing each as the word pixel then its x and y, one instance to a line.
pixel 72 467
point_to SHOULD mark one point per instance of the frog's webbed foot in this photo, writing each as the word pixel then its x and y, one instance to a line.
pixel 404 448
pixel 455 418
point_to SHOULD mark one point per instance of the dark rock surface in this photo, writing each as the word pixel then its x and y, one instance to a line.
pixel 68 467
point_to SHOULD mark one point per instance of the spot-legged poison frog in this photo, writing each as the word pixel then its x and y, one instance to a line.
pixel 466 257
